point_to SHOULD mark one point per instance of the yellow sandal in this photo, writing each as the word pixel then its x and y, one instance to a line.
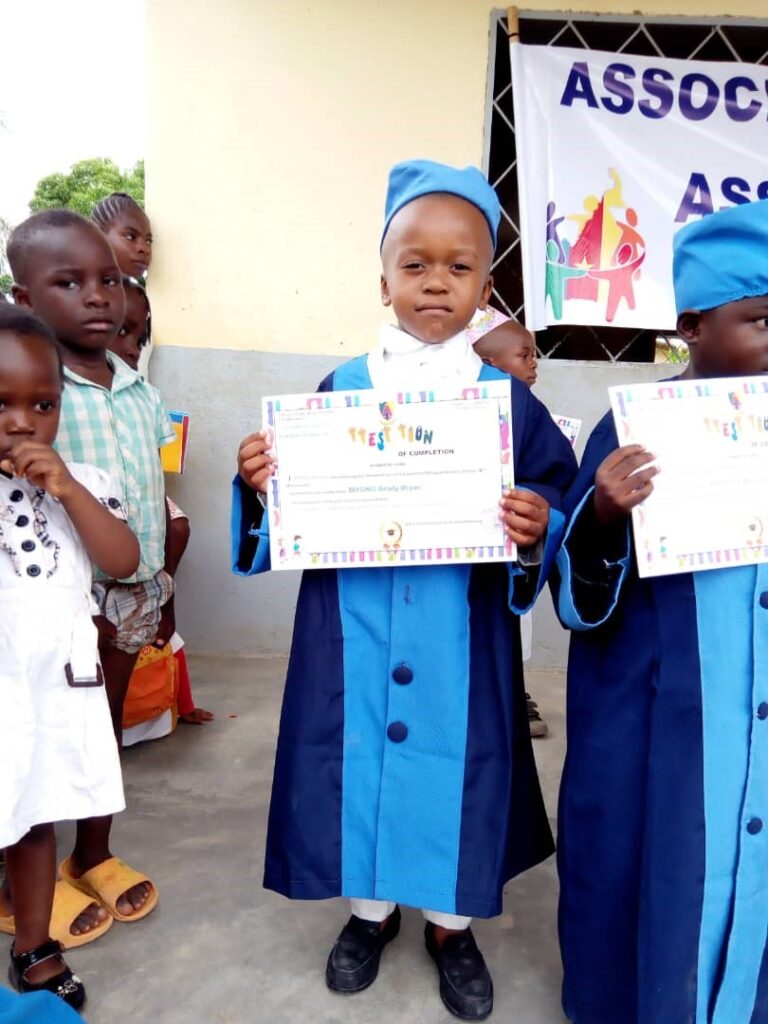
pixel 68 905
pixel 107 882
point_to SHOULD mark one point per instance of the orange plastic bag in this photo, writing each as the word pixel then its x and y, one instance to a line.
pixel 153 687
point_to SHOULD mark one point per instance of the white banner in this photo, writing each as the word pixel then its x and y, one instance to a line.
pixel 616 152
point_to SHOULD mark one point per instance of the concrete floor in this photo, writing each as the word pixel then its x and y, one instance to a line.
pixel 219 949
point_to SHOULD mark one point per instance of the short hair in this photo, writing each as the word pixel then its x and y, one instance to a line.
pixel 108 209
pixel 504 334
pixel 23 238
pixel 132 282
pixel 20 321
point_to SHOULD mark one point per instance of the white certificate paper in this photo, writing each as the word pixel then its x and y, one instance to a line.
pixel 709 506
pixel 570 427
pixel 365 479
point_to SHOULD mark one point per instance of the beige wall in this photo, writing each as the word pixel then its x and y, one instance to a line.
pixel 272 128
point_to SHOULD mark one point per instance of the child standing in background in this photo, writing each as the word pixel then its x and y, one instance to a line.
pixel 65 270
pixel 129 232
pixel 60 759
pixel 506 344
pixel 130 342
pixel 136 332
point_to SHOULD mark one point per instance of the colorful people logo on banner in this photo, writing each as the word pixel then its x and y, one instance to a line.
pixel 603 261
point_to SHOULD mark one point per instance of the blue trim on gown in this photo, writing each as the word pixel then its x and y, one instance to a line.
pixel 35 1008
pixel 664 747
pixel 421 791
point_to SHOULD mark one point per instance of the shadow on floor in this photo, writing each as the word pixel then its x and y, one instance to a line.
pixel 220 949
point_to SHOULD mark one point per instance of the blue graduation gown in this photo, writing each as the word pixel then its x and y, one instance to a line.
pixel 35 1008
pixel 404 768
pixel 663 835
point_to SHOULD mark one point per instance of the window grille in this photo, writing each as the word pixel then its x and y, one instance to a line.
pixel 677 37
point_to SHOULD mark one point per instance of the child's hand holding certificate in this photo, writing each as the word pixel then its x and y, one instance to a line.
pixel 709 438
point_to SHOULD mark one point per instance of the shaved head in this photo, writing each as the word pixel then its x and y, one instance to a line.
pixel 28 235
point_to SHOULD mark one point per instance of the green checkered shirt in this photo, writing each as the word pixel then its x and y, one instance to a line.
pixel 120 431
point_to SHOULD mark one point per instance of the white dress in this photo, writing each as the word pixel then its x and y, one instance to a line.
pixel 57 747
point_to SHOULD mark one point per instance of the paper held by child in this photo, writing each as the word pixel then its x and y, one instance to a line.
pixel 710 438
pixel 174 455
pixel 570 426
pixel 364 479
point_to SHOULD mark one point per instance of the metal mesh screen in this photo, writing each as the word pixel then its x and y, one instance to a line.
pixel 686 39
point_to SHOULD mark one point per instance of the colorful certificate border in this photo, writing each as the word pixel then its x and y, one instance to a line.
pixel 656 560
pixel 382 557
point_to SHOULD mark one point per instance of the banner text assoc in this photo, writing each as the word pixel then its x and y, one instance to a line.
pixel 619 88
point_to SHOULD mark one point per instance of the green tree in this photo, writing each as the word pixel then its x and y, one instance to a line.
pixel 5 278
pixel 87 182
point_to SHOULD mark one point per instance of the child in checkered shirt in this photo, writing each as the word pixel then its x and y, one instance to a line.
pixel 131 341
pixel 65 269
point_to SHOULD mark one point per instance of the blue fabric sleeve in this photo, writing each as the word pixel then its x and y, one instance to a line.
pixel 589 584
pixel 594 561
pixel 249 531
pixel 35 1008
pixel 544 460
pixel 526 580
pixel 544 463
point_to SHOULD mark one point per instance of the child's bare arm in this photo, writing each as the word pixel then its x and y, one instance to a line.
pixel 618 484
pixel 109 543
pixel 167 625
pixel 253 464
pixel 180 534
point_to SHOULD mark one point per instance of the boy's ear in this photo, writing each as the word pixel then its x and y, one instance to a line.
pixel 386 298
pixel 485 294
pixel 688 325
pixel 21 295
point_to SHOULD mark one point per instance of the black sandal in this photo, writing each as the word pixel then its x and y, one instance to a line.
pixel 66 985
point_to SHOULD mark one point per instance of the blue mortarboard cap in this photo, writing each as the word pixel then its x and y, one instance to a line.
pixel 722 258
pixel 416 178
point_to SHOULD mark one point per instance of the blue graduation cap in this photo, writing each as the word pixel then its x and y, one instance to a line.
pixel 416 178
pixel 722 258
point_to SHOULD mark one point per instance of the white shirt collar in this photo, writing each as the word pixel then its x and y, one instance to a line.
pixel 399 358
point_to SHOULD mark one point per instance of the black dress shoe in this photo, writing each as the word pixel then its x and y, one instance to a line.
pixel 353 963
pixel 66 985
pixel 465 983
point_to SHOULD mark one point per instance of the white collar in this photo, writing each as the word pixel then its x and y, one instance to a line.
pixel 399 358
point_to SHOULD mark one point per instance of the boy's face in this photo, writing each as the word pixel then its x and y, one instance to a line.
pixel 131 238
pixel 510 348
pixel 73 284
pixel 30 391
pixel 436 259
pixel 130 337
pixel 729 341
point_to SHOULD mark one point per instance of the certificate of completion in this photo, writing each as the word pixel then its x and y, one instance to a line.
pixel 365 479
pixel 709 506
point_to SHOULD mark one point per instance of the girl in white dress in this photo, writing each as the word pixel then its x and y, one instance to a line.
pixel 60 759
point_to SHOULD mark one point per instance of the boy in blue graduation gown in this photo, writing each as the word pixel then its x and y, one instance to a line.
pixel 663 840
pixel 404 770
